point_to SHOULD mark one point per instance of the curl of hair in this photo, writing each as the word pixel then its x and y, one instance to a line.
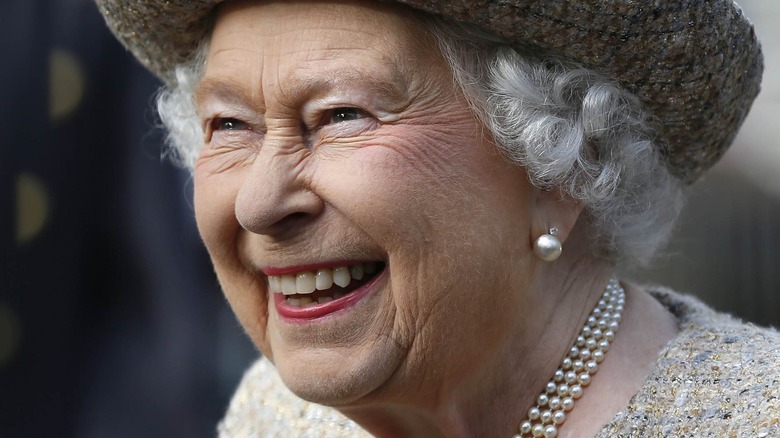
pixel 566 125
pixel 573 129
pixel 178 111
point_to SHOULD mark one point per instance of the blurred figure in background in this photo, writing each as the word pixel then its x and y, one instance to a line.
pixel 111 321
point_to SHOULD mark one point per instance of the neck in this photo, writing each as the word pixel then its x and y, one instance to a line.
pixel 488 393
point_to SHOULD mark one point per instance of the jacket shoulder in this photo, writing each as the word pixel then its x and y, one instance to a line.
pixel 719 378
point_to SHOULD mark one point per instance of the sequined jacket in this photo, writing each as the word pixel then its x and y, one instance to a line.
pixel 718 378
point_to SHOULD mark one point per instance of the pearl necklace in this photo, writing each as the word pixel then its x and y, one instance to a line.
pixel 578 367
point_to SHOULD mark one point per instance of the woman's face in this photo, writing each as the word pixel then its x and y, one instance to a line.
pixel 335 138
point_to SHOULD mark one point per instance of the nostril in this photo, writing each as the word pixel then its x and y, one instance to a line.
pixel 293 221
pixel 276 203
pixel 298 216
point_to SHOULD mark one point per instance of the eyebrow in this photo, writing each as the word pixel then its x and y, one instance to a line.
pixel 302 86
pixel 227 91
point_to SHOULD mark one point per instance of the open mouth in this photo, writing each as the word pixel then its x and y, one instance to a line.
pixel 321 286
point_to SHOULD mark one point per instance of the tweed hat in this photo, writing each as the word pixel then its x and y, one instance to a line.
pixel 695 64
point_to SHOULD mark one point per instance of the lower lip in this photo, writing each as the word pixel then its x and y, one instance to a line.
pixel 310 312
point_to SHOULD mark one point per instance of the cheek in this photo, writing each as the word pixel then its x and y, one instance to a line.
pixel 388 182
pixel 215 196
pixel 441 201
pixel 214 199
pixel 424 180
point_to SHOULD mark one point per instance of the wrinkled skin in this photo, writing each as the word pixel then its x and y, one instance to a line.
pixel 333 131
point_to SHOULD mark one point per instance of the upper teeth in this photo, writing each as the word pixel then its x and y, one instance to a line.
pixel 306 282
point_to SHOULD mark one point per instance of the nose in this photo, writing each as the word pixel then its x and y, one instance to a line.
pixel 274 199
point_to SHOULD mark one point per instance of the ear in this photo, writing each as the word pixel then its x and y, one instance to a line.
pixel 553 208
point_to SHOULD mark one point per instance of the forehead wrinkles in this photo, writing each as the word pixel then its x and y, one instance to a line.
pixel 283 49
pixel 293 76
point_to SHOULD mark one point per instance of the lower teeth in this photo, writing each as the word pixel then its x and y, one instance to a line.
pixel 308 301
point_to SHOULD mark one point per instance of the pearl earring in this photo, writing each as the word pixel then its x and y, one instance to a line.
pixel 548 247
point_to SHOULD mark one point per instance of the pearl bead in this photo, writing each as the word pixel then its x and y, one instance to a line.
pixel 577 368
pixel 548 248
pixel 586 331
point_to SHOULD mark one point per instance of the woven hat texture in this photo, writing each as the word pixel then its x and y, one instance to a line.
pixel 695 64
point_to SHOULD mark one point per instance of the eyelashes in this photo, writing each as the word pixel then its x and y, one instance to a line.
pixel 330 117
pixel 339 121
pixel 228 124
pixel 342 114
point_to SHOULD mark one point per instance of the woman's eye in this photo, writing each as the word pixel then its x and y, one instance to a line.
pixel 228 124
pixel 345 114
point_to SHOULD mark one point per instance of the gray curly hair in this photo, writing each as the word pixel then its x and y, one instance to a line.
pixel 566 125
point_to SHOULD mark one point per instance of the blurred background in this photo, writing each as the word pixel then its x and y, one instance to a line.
pixel 726 248
pixel 111 321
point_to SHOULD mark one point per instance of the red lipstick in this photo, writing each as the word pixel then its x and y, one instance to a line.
pixel 310 312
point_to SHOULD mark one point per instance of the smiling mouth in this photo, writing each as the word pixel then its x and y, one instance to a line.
pixel 310 288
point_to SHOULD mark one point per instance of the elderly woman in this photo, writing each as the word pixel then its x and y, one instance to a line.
pixel 386 191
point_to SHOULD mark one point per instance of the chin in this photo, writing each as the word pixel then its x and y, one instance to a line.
pixel 337 377
pixel 339 359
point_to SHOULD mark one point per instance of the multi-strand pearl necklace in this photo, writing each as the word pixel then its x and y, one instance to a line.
pixel 578 367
